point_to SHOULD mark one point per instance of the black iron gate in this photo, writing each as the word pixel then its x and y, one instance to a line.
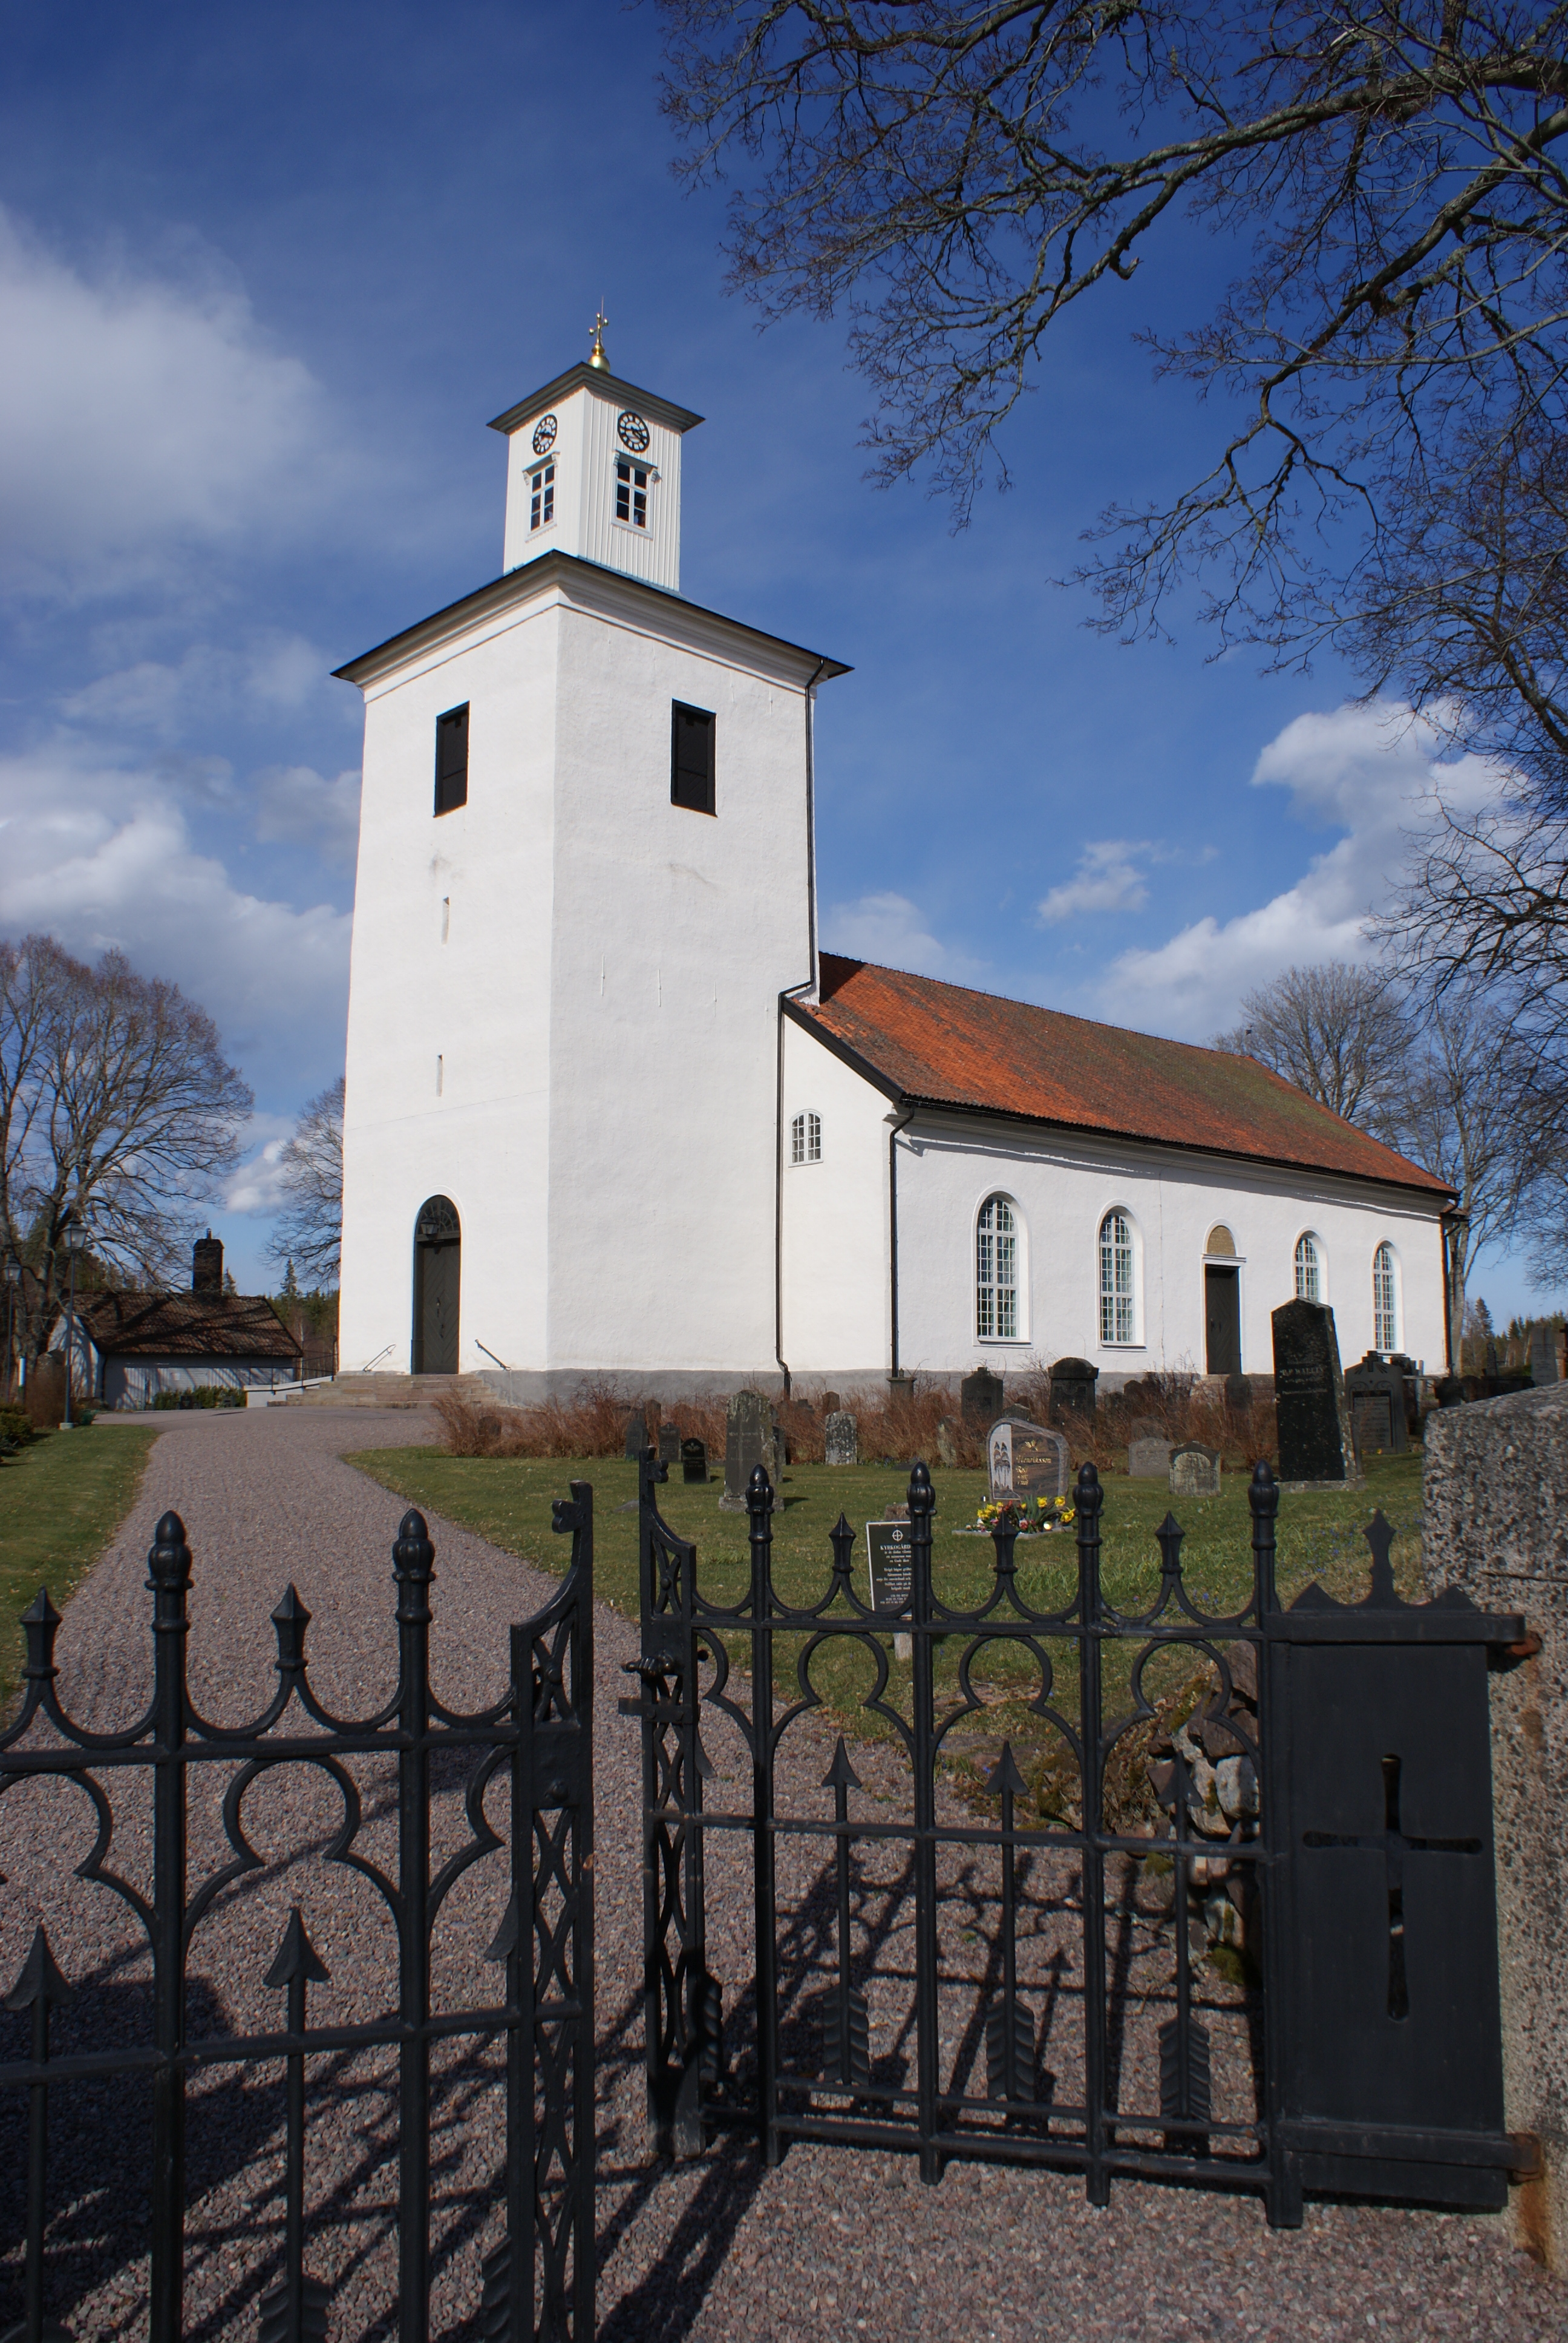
pixel 530 1752
pixel 1216 1906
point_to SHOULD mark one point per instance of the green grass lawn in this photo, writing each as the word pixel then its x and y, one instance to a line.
pixel 61 1501
pixel 507 1501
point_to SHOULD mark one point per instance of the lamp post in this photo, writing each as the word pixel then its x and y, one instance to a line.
pixel 75 1242
pixel 13 1279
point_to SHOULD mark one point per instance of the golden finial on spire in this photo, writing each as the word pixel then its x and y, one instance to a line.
pixel 596 354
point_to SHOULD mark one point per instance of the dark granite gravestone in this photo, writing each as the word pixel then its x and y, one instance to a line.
pixel 1309 1409
pixel 669 1444
pixel 1194 1470
pixel 693 1460
pixel 1374 1393
pixel 750 1438
pixel 635 1435
pixel 1072 1383
pixel 1027 1460
pixel 981 1399
pixel 1148 1458
pixel 840 1438
pixel 830 1403
pixel 1542 1355
pixel 1238 1396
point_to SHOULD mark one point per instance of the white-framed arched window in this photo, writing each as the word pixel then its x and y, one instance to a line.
pixel 1118 1280
pixel 1309 1267
pixel 1385 1298
pixel 806 1139
pixel 996 1270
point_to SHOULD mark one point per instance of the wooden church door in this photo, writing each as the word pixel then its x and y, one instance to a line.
pixel 437 1269
pixel 1222 1313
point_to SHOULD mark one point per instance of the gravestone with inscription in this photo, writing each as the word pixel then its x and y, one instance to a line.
pixel 981 1399
pixel 1316 1445
pixel 1027 1460
pixel 1374 1393
pixel 840 1438
pixel 635 1435
pixel 1149 1458
pixel 948 1442
pixel 1194 1470
pixel 694 1460
pixel 669 1444
pixel 1542 1355
pixel 750 1438
pixel 1072 1385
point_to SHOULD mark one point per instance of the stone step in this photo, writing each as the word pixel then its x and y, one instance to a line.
pixel 374 1390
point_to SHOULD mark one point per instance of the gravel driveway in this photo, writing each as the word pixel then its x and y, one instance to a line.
pixel 831 2245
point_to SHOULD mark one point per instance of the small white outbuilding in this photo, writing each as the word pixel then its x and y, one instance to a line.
pixel 612 1111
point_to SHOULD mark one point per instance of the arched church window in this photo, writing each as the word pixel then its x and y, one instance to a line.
pixel 1308 1268
pixel 1118 1298
pixel 806 1139
pixel 1385 1299
pixel 996 1272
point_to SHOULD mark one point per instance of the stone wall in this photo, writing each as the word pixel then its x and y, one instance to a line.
pixel 1496 1523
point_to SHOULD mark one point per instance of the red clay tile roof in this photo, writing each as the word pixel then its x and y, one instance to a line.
pixel 946 1046
pixel 187 1326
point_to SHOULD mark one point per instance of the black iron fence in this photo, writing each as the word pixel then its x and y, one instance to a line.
pixel 524 1765
pixel 1168 1918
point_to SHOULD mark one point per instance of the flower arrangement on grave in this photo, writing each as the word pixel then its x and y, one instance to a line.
pixel 1026 1516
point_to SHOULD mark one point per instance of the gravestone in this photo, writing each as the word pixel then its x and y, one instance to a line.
pixel 1374 1393
pixel 693 1460
pixel 1543 1356
pixel 1072 1383
pixel 840 1438
pixel 1148 1458
pixel 948 1442
pixel 1494 1496
pixel 831 1403
pixel 635 1435
pixel 750 1438
pixel 888 1562
pixel 1027 1460
pixel 669 1444
pixel 1194 1470
pixel 1312 1418
pixel 1238 1396
pixel 981 1398
pixel 1149 1427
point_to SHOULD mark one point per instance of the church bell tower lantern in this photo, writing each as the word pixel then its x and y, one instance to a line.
pixel 593 469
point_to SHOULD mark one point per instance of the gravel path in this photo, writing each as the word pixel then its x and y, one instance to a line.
pixel 831 2245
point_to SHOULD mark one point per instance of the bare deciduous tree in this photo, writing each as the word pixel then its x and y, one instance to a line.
pixel 309 1230
pixel 116 1107
pixel 959 173
pixel 1338 1032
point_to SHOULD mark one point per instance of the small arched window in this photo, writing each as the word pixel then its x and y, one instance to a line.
pixel 996 1272
pixel 1222 1242
pixel 1385 1299
pixel 806 1139
pixel 1118 1315
pixel 1308 1268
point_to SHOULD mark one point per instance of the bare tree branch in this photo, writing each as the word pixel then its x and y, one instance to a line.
pixel 309 1231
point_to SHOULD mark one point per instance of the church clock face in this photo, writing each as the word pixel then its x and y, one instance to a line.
pixel 544 435
pixel 633 431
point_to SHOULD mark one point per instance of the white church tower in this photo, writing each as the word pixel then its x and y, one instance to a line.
pixel 584 881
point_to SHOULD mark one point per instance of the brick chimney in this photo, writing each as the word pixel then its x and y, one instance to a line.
pixel 206 1264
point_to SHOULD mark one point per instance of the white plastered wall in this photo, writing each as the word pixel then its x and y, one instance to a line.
pixel 835 1218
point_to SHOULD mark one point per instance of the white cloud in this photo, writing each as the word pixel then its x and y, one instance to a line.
pixel 891 930
pixel 293 801
pixel 254 1187
pixel 1370 771
pixel 142 417
pixel 99 854
pixel 1106 880
pixel 271 674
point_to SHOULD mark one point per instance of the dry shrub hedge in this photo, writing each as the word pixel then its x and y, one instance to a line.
pixel 898 1425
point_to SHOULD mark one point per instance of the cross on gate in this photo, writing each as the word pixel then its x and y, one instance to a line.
pixel 1392 1845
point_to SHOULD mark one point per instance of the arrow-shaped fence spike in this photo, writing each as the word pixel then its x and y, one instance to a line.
pixel 506 1938
pixel 296 1957
pixel 1005 1774
pixel 841 1774
pixel 40 1980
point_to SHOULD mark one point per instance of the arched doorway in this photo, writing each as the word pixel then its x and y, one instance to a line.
pixel 438 1265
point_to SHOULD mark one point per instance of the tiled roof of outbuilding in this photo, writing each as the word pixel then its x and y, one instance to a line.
pixel 187 1326
pixel 944 1045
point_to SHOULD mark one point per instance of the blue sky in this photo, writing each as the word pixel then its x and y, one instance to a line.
pixel 264 277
